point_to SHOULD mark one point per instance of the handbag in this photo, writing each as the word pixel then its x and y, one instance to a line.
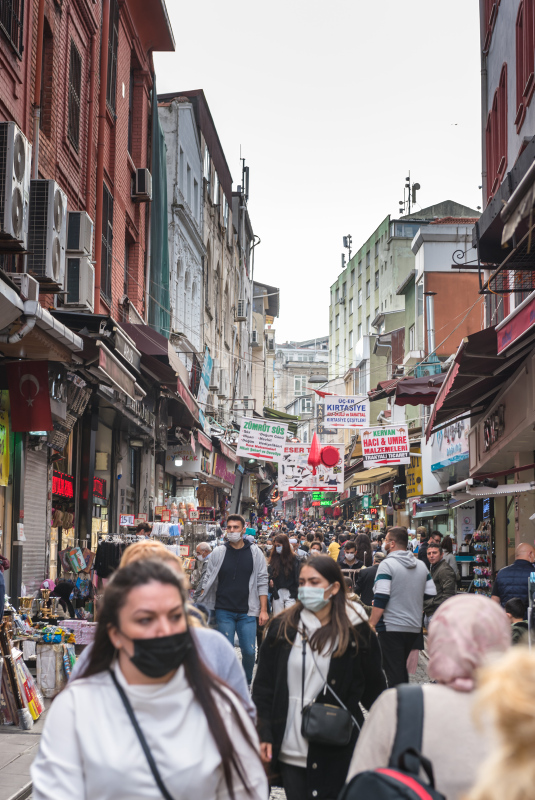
pixel 323 723
pixel 141 737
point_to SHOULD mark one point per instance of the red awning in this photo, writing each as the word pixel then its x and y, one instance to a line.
pixel 419 391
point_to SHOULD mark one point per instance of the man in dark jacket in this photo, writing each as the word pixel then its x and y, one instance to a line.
pixel 366 578
pixel 513 581
pixel 443 578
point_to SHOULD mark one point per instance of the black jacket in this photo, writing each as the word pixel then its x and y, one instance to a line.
pixel 364 584
pixel 356 677
pixel 422 553
pixel 282 581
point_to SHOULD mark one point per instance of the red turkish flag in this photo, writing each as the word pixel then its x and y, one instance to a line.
pixel 29 396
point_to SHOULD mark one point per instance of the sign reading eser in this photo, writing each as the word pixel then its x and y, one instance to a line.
pixel 346 411
pixel 261 438
pixel 385 445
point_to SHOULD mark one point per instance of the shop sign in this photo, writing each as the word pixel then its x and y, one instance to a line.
pixel 450 445
pixel 193 514
pixel 202 394
pixel 29 396
pixel 191 459
pixel 295 473
pixel 113 369
pixel 221 469
pixel 316 503
pixel 317 495
pixel 260 438
pixel 127 349
pixel 346 411
pixel 321 429
pixel 99 488
pixel 4 448
pixel 486 508
pixel 126 520
pixel 386 445
pixel 184 550
pixel 326 502
pixel 188 399
pixel 414 478
pixel 204 441
pixel 228 452
pixel 493 427
pixel 159 510
pixel 140 519
pixel 366 501
pixel 62 485
pixel 516 327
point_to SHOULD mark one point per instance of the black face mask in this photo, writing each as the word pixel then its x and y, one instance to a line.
pixel 161 655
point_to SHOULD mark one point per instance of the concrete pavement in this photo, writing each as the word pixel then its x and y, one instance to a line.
pixel 17 751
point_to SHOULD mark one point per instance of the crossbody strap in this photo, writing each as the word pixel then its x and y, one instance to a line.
pixel 141 737
pixel 410 721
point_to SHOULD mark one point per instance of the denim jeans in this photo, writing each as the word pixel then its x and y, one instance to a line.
pixel 229 623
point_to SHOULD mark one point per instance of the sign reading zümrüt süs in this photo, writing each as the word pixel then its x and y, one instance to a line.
pixel 385 445
pixel 263 439
pixel 346 411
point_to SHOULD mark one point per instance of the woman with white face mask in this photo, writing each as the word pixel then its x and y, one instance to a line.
pixel 283 571
pixel 320 651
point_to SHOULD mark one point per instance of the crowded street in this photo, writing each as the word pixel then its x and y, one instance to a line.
pixel 267 408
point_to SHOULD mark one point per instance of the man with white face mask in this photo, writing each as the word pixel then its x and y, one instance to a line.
pixel 203 551
pixel 236 587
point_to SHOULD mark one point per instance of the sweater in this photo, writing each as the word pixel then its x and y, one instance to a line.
pixel 89 748
pixel 258 582
pixel 450 740
pixel 401 585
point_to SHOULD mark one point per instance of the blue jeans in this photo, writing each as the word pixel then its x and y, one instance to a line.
pixel 229 623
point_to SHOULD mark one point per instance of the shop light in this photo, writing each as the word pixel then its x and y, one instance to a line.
pixel 178 462
pixel 195 480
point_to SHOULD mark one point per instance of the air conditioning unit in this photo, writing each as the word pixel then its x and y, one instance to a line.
pixel 79 233
pixel 240 312
pixel 28 286
pixel 343 298
pixel 15 173
pixel 47 234
pixel 215 378
pixel 79 282
pixel 224 384
pixel 142 185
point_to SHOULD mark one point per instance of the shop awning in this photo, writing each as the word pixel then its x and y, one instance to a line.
pixel 156 348
pixel 435 512
pixel 271 413
pixel 410 391
pixel 374 475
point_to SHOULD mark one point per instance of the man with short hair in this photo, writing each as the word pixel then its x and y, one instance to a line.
pixel 513 581
pixel 350 560
pixel 443 578
pixel 203 551
pixel 401 585
pixel 236 586
pixel 516 610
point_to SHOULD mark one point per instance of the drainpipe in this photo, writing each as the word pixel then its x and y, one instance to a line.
pixel 105 35
pixel 89 163
pixel 429 299
pixel 38 84
pixel 15 338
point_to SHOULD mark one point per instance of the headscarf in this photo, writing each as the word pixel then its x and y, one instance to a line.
pixel 464 633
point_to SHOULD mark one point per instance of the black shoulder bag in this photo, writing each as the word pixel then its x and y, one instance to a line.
pixel 141 737
pixel 323 723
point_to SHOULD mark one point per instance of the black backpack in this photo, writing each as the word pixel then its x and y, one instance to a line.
pixel 401 779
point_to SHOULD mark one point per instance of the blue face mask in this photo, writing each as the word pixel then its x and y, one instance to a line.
pixel 313 597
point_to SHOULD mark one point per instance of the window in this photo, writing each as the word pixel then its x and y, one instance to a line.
pixel 368 324
pixel 491 12
pixel 420 299
pixel 300 385
pixel 131 111
pixel 496 137
pixel 113 40
pixel 207 170
pixel 305 436
pixel 368 259
pixel 360 297
pixel 362 379
pixel 345 315
pixel 337 353
pixel 352 277
pixel 359 332
pixel 225 211
pixel 337 321
pixel 47 81
pixel 107 244
pixel 351 306
pixel 344 289
pixel 196 199
pixel 412 338
pixel 367 289
pixel 360 267
pixel 75 90
pixel 188 185
pixel 377 279
pixel 306 405
pixel 337 295
pixel 12 21
pixel 350 340
pixel 216 189
pixel 126 265
pixel 525 59
pixel 181 171
pixel 376 312
pixel 376 249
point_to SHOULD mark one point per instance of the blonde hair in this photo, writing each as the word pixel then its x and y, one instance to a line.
pixel 507 693
pixel 150 548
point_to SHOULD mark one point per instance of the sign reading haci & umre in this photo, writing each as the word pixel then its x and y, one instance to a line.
pixel 385 445
pixel 346 411
pixel 261 438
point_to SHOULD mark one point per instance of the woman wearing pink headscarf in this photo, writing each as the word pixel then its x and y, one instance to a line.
pixel 466 632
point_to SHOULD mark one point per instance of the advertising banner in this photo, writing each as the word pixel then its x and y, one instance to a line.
pixel 346 411
pixel 261 438
pixel 386 445
pixel 413 476
pixel 295 473
pixel 202 394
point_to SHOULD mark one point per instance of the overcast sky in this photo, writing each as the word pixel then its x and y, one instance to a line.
pixel 332 104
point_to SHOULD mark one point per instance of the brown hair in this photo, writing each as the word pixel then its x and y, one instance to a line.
pixel 237 518
pixel 447 544
pixel 281 561
pixel 150 548
pixel 400 536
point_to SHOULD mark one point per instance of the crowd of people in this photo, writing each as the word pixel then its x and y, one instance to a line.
pixel 333 620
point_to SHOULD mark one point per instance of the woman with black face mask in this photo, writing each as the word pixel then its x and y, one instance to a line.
pixel 147 718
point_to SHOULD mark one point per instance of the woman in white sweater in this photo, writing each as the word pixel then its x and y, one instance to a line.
pixel 201 740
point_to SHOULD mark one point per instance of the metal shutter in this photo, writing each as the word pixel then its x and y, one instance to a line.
pixel 35 527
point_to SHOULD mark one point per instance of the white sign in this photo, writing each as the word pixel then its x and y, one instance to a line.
pixel 21 536
pixel 346 411
pixel 126 519
pixel 261 438
pixel 295 473
pixel 386 445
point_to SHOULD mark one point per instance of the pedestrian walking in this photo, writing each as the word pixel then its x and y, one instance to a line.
pixel 449 558
pixel 366 578
pixel 145 696
pixel 321 650
pixel 283 573
pixel 350 559
pixel 444 579
pixel 364 549
pixel 464 633
pixel 513 581
pixel 401 585
pixel 236 587
pixel 516 610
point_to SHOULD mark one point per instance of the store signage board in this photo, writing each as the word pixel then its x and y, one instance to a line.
pixel 522 322
pixel 193 514
pixel 450 445
pixel 118 375
pixel 62 485
pixel 366 501
pixel 414 478
pixel 184 550
pixel 346 411
pixel 126 519
pixel 99 488
pixel 385 445
pixel 126 347
pixel 221 469
pixel 295 473
pixel 326 502
pixel 262 439
pixel 202 394
pixel 140 519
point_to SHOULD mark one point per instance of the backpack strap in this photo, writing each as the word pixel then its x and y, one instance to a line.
pixel 410 722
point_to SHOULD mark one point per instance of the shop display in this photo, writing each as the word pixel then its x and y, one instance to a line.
pixel 481 544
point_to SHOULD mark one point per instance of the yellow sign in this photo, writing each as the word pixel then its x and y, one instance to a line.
pixel 269 320
pixel 4 448
pixel 414 477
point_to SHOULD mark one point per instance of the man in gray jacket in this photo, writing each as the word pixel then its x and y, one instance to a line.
pixel 235 585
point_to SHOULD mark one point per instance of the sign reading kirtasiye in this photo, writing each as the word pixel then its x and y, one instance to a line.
pixel 346 411
pixel 261 438
pixel 385 445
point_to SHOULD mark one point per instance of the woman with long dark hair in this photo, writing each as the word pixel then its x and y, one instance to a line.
pixel 320 651
pixel 283 571
pixel 147 718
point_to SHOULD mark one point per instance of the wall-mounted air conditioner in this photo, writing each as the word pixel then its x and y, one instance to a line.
pixel 240 312
pixel 79 282
pixel 47 234
pixel 142 185
pixel 79 233
pixel 15 173
pixel 28 286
